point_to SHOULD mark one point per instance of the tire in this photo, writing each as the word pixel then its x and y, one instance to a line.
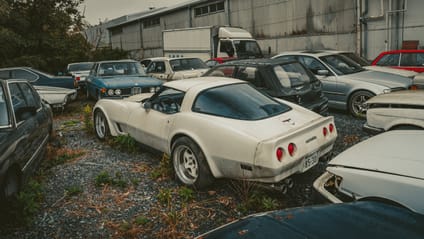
pixel 190 165
pixel 11 185
pixel 101 126
pixel 357 105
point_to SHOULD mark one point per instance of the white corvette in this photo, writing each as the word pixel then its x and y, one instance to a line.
pixel 215 127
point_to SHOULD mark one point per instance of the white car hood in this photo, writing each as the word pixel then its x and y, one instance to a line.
pixel 396 152
pixel 406 97
pixel 381 78
pixel 190 73
pixel 405 73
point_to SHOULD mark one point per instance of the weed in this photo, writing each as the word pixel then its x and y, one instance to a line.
pixel 70 123
pixel 165 196
pixel 141 220
pixel 73 190
pixel 269 203
pixel 134 181
pixel 103 178
pixel 62 156
pixel 125 226
pixel 125 143
pixel 187 194
pixel 88 120
pixel 164 170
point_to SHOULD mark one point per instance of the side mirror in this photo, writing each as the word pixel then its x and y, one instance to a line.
pixel 322 72
pixel 147 105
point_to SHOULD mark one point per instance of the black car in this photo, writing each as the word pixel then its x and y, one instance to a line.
pixel 288 80
pixel 25 127
pixel 37 77
pixel 363 219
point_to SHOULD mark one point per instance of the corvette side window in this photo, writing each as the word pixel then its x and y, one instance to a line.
pixel 168 101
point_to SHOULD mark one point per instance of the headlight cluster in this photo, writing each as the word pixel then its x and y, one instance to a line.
pixel 154 89
pixel 112 92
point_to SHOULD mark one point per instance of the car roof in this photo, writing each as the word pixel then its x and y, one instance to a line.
pixel 406 97
pixel 317 53
pixel 258 62
pixel 201 83
pixel 403 51
pixel 164 58
pixel 344 220
pixel 115 61
pixel 393 152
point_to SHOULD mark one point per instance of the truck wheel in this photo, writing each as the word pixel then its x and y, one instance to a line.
pixel 356 103
pixel 190 164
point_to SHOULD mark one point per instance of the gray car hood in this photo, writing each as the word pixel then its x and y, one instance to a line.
pixel 381 78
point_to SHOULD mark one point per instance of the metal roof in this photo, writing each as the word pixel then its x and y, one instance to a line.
pixel 155 12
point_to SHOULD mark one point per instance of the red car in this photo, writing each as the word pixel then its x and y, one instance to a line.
pixel 412 60
pixel 218 60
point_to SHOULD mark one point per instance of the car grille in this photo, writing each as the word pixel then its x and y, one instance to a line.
pixel 135 90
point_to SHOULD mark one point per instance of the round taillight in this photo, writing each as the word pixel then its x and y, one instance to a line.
pixel 279 154
pixel 78 78
pixel 331 128
pixel 324 131
pixel 291 148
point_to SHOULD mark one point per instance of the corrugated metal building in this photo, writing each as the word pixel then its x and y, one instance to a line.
pixel 364 26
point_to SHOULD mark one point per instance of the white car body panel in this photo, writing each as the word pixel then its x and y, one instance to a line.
pixel 405 73
pixel 57 97
pixel 233 148
pixel 169 74
pixel 389 166
pixel 407 109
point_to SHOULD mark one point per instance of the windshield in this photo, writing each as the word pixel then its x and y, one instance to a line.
pixel 292 75
pixel 121 68
pixel 341 64
pixel 238 101
pixel 4 116
pixel 359 60
pixel 185 64
pixel 247 49
pixel 84 66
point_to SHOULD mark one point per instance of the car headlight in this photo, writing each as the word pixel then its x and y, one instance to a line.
pixel 157 88
pixel 110 92
pixel 118 92
pixel 385 91
pixel 152 89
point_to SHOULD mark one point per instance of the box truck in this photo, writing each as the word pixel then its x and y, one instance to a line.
pixel 210 42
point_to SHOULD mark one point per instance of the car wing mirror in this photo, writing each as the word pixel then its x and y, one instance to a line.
pixel 322 72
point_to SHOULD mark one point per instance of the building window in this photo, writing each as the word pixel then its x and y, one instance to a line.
pixel 209 9
pixel 151 22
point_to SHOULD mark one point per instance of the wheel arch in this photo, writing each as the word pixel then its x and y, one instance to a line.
pixel 384 200
pixel 212 166
pixel 112 128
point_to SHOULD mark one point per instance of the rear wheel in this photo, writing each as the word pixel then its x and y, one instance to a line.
pixel 11 185
pixel 101 126
pixel 190 164
pixel 357 106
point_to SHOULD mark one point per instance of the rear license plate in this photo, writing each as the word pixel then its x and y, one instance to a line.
pixel 310 161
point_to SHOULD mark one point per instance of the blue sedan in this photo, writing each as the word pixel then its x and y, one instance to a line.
pixel 116 79
pixel 36 77
pixel 25 127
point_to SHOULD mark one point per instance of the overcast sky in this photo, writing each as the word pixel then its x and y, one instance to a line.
pixel 96 10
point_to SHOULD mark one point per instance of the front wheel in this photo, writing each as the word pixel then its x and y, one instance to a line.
pixel 101 126
pixel 357 105
pixel 190 164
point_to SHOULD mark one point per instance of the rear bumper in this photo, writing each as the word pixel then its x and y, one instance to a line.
pixel 319 185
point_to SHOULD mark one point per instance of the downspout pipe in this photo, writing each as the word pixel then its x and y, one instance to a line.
pixel 388 21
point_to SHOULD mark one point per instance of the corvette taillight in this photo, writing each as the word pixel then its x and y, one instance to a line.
pixel 331 128
pixel 324 131
pixel 279 154
pixel 77 78
pixel 291 148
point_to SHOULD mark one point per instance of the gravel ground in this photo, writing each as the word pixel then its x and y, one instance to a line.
pixel 73 206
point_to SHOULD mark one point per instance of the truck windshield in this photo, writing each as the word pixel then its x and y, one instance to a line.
pixel 247 49
pixel 4 116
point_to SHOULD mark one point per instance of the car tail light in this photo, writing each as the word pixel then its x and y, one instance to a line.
pixel 324 131
pixel 413 87
pixel 291 148
pixel 77 78
pixel 331 128
pixel 103 90
pixel 279 153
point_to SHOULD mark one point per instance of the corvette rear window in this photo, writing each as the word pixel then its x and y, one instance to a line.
pixel 238 101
